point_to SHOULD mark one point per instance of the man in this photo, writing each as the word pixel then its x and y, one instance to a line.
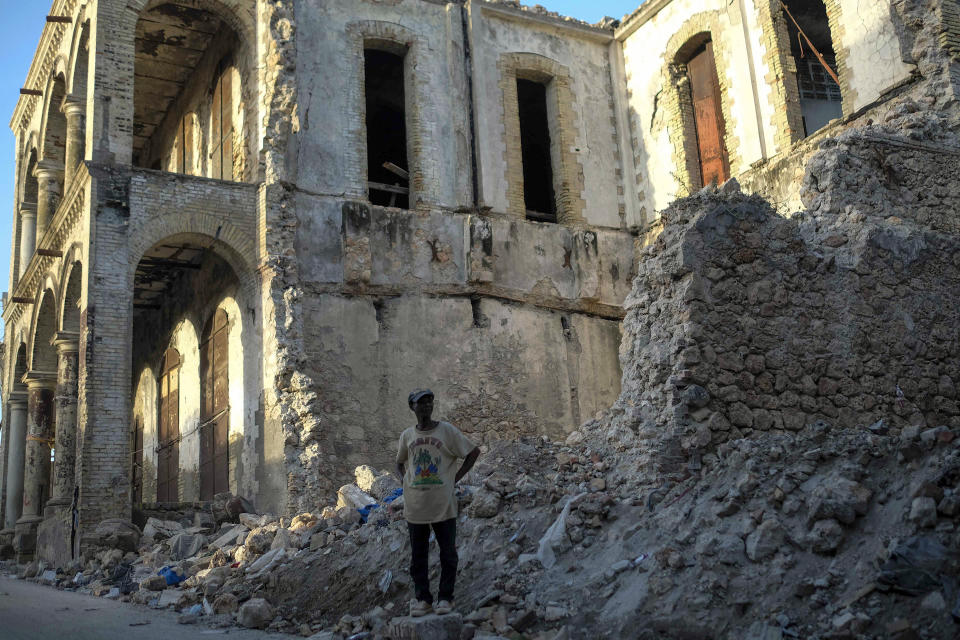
pixel 426 461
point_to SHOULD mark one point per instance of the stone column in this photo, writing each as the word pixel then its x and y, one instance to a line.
pixel 36 473
pixel 74 109
pixel 65 407
pixel 17 435
pixel 50 189
pixel 28 234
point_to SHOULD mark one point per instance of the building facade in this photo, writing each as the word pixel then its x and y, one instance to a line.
pixel 245 229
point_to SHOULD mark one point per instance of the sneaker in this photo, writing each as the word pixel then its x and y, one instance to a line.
pixel 443 608
pixel 419 608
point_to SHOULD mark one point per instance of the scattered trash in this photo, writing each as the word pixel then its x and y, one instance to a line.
pixel 385 581
pixel 171 576
pixel 555 535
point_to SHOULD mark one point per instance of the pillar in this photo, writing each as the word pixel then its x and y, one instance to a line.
pixel 36 471
pixel 49 176
pixel 28 234
pixel 65 409
pixel 17 436
pixel 74 109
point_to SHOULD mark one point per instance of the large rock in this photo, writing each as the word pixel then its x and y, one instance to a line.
pixel 229 536
pixel 378 484
pixel 255 613
pixel 485 504
pixel 156 529
pixel 225 603
pixel 765 540
pixel 431 627
pixel 838 499
pixel 117 533
pixel 186 545
pixel 352 496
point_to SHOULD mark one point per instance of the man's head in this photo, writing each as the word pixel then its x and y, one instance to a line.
pixel 421 403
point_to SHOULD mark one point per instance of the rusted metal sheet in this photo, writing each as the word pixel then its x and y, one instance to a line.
pixel 168 454
pixel 705 90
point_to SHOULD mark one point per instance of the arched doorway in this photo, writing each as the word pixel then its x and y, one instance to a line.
pixel 168 421
pixel 705 101
pixel 214 407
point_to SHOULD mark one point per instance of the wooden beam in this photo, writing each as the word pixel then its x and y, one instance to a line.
pixel 175 264
pixel 60 19
pixel 50 253
pixel 30 92
pixel 392 168
pixel 21 300
pixel 389 188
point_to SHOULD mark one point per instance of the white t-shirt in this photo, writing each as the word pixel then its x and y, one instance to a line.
pixel 432 461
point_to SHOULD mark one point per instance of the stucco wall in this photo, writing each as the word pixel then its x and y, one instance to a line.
pixel 498 369
pixel 873 50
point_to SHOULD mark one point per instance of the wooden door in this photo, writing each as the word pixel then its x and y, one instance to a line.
pixel 168 454
pixel 136 464
pixel 214 408
pixel 711 131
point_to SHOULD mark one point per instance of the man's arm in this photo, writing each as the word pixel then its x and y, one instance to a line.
pixel 400 470
pixel 468 463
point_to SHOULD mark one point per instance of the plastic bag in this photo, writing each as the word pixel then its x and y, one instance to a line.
pixel 554 536
pixel 171 576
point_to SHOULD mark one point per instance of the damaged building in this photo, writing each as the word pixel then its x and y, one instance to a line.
pixel 244 230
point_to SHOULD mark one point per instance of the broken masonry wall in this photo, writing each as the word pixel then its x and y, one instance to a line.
pixel 499 370
pixel 514 324
pixel 744 321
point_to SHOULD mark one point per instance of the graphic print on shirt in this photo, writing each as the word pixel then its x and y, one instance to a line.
pixel 426 467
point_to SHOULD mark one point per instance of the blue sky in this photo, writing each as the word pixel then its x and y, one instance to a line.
pixel 20 33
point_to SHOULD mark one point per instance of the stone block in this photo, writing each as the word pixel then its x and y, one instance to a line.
pixel 431 627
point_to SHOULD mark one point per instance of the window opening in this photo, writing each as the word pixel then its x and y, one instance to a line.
pixel 214 408
pixel 387 165
pixel 538 195
pixel 811 46
pixel 168 450
pixel 708 116
pixel 221 153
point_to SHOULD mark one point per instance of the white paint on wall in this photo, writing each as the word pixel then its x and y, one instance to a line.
pixel 185 341
pixel 874 56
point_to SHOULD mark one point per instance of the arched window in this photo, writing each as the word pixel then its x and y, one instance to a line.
pixel 214 407
pixel 168 448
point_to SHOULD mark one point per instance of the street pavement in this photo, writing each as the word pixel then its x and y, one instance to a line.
pixel 29 611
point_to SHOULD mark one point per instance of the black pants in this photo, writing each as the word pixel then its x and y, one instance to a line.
pixel 446 532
